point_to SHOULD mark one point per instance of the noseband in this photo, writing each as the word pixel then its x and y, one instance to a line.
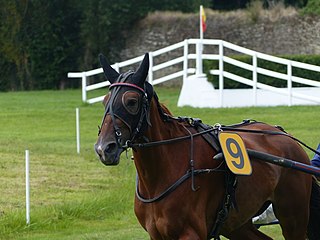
pixel 144 108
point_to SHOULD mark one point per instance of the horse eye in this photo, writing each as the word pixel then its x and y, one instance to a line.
pixel 132 102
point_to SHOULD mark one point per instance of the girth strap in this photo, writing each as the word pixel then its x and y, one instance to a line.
pixel 229 201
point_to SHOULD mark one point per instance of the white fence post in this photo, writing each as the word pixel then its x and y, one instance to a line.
pixel 84 87
pixel 254 78
pixel 199 57
pixel 150 76
pixel 78 130
pixel 27 188
pixel 221 73
pixel 289 72
pixel 185 60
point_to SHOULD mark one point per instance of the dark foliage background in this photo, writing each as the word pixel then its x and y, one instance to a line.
pixel 40 41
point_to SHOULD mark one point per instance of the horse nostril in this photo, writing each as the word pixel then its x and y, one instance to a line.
pixel 98 149
pixel 110 147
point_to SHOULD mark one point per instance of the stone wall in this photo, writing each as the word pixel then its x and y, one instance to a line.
pixel 278 32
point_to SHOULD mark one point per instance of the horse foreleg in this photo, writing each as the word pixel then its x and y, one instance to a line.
pixel 293 212
pixel 190 234
pixel 248 232
pixel 294 226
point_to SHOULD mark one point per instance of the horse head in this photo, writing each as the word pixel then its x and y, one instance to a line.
pixel 126 114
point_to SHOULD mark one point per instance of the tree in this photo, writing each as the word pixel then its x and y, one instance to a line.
pixel 178 5
pixel 39 39
pixel 103 26
pixel 53 40
pixel 236 4
pixel 12 48
pixel 312 8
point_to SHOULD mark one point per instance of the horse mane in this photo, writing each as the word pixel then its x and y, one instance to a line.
pixel 165 109
pixel 164 112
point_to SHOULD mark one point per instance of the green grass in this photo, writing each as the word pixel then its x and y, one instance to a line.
pixel 74 196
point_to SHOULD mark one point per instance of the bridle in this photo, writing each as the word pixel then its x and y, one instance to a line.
pixel 139 121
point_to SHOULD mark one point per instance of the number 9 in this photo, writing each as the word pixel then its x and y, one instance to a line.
pixel 238 155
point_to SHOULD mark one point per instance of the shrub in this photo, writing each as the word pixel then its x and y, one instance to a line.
pixel 312 8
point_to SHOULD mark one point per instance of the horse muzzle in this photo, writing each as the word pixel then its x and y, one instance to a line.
pixel 109 153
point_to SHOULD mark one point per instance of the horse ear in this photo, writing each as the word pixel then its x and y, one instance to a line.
pixel 141 74
pixel 111 74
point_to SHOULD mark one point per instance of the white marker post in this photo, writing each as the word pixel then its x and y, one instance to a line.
pixel 199 46
pixel 27 189
pixel 78 130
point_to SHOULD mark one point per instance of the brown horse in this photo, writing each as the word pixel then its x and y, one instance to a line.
pixel 182 192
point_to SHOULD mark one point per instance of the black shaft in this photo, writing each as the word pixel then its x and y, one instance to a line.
pixel 284 162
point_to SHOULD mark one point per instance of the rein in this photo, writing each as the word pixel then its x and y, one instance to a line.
pixel 217 128
pixel 167 141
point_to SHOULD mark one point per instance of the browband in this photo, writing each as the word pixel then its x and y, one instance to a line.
pixel 127 85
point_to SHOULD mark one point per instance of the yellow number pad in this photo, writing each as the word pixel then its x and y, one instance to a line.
pixel 235 153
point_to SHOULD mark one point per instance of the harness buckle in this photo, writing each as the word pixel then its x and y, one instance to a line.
pixel 127 144
pixel 217 126
pixel 118 133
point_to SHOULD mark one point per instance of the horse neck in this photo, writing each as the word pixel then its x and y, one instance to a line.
pixel 161 164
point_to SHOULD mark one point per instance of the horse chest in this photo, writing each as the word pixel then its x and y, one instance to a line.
pixel 161 222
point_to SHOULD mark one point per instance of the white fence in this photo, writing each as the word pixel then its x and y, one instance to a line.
pixel 218 48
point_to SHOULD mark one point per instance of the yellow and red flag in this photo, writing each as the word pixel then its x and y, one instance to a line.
pixel 203 20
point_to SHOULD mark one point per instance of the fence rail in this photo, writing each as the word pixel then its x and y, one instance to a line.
pixel 183 68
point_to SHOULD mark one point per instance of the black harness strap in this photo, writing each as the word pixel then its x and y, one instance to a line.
pixel 210 137
pixel 109 107
pixel 176 184
pixel 229 200
pixel 168 141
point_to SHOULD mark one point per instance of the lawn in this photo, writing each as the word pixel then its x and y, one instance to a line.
pixel 74 196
